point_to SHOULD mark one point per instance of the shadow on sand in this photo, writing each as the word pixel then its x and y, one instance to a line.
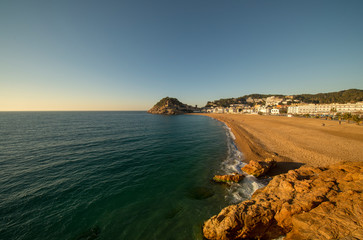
pixel 283 167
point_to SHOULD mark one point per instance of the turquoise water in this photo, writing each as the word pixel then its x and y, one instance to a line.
pixel 112 175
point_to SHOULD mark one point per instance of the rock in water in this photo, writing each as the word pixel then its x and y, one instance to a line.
pixel 170 106
pixel 307 203
pixel 258 169
pixel 228 178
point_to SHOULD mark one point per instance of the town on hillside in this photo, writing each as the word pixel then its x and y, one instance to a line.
pixel 289 106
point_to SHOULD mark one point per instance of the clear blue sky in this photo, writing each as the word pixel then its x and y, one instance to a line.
pixel 121 55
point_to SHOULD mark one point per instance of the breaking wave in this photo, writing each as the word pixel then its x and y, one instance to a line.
pixel 233 163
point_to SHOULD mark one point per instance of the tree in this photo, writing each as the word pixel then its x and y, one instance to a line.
pixel 356 119
pixel 347 116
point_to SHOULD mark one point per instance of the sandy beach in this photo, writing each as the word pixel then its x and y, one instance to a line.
pixel 295 141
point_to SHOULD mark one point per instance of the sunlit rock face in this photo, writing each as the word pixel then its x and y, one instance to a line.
pixel 170 106
pixel 307 203
pixel 228 178
pixel 258 169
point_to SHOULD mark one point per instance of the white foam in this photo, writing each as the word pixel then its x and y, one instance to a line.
pixel 233 163
pixel 231 133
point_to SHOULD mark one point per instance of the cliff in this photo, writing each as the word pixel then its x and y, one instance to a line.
pixel 170 106
pixel 307 203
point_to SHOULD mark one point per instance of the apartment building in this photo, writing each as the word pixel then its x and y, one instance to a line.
pixel 326 108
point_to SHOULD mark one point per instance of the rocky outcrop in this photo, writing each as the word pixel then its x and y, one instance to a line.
pixel 307 203
pixel 170 106
pixel 258 169
pixel 228 178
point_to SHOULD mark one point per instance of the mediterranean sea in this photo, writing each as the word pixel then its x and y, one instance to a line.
pixel 113 175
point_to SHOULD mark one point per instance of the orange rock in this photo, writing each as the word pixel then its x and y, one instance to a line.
pixel 307 203
pixel 228 178
pixel 258 169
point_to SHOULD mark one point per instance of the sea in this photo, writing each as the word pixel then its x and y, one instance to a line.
pixel 114 175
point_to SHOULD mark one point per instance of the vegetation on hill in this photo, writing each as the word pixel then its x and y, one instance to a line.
pixel 345 96
pixel 170 106
pixel 226 102
pixel 351 95
pixel 169 100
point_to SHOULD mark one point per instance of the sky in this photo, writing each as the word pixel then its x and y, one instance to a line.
pixel 127 55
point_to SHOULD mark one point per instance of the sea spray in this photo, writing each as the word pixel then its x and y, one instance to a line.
pixel 233 163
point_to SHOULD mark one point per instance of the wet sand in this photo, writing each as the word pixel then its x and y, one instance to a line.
pixel 294 141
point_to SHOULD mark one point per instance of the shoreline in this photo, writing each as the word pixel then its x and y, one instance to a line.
pixel 244 141
pixel 321 200
pixel 293 142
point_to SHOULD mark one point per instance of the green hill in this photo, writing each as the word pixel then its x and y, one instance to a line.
pixel 345 96
pixel 170 106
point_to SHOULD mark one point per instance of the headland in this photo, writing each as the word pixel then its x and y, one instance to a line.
pixel 170 106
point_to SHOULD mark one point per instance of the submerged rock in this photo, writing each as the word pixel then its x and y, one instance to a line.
pixel 228 178
pixel 171 213
pixel 200 193
pixel 307 203
pixel 258 169
pixel 91 234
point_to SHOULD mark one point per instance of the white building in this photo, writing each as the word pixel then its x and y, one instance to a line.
pixel 218 110
pixel 273 100
pixel 293 110
pixel 307 109
pixel 352 108
pixel 264 110
pixel 247 110
pixel 231 110
pixel 239 105
pixel 326 108
pixel 275 111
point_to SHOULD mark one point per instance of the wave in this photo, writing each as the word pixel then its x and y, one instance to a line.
pixel 233 163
